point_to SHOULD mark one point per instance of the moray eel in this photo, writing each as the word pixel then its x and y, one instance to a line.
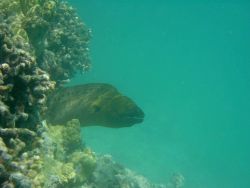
pixel 93 104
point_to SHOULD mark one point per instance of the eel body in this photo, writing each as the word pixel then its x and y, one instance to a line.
pixel 93 104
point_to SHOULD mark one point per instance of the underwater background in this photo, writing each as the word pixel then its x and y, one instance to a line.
pixel 187 65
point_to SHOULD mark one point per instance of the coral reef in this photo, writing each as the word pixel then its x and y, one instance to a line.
pixel 18 162
pixel 67 136
pixel 59 38
pixel 84 163
pixel 64 167
pixel 37 38
pixel 49 163
pixel 42 45
pixel 111 174
pixel 23 85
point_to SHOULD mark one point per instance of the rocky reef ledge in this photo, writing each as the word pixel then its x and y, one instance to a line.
pixel 43 44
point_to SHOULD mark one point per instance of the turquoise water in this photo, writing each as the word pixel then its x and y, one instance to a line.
pixel 187 65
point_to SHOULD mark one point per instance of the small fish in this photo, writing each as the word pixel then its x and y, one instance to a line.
pixel 93 104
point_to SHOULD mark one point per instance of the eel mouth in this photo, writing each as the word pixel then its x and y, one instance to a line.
pixel 138 119
pixel 134 118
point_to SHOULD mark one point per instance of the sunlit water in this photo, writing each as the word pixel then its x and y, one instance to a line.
pixel 187 65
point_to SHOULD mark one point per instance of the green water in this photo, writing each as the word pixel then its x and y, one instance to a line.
pixel 187 65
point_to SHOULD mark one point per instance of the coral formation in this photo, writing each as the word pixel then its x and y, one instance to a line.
pixel 85 163
pixel 59 39
pixel 23 85
pixel 111 174
pixel 37 37
pixel 18 163
pixel 67 137
pixel 49 163
pixel 42 43
pixel 63 166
